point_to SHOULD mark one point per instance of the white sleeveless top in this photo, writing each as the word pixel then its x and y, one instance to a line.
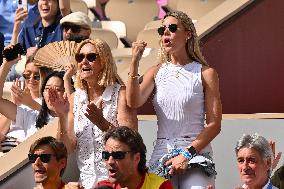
pixel 89 136
pixel 179 101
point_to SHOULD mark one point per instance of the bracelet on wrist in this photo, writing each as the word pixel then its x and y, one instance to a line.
pixel 133 76
pixel 186 154
pixel 62 132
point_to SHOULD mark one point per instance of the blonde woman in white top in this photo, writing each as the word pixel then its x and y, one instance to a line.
pixel 97 105
pixel 186 90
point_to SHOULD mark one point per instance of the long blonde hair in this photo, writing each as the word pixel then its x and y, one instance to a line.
pixel 109 75
pixel 192 44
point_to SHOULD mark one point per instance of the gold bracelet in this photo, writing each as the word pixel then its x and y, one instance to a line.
pixel 133 76
pixel 62 133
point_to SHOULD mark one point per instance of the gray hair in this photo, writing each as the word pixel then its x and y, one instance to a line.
pixel 256 142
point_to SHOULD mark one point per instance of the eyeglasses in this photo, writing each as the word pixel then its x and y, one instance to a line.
pixel 91 57
pixel 29 76
pixel 118 155
pixel 45 158
pixel 74 28
pixel 172 28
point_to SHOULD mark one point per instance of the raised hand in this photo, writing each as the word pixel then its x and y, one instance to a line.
pixel 10 62
pixel 17 92
pixel 138 48
pixel 20 96
pixel 70 70
pixel 59 102
pixel 20 15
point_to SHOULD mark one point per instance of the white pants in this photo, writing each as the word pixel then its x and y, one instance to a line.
pixel 194 178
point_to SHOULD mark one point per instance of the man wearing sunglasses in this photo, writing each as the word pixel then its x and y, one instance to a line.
pixel 76 26
pixel 49 159
pixel 125 158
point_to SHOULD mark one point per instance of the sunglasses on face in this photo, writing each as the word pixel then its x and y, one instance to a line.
pixel 91 57
pixel 118 155
pixel 74 28
pixel 172 28
pixel 29 76
pixel 45 158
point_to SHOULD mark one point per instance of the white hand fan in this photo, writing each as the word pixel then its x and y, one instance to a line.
pixel 56 55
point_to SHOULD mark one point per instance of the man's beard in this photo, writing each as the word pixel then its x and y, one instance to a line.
pixel 76 38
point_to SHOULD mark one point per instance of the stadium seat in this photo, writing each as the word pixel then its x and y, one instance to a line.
pixel 106 35
pixel 134 13
pixel 118 27
pixel 79 5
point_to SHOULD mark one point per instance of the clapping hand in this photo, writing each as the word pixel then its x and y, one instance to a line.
pixel 95 115
pixel 59 102
pixel 20 96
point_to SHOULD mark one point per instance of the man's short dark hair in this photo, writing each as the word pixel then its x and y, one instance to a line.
pixel 58 148
pixel 131 138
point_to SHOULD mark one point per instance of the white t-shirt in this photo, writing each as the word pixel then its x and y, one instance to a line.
pixel 19 131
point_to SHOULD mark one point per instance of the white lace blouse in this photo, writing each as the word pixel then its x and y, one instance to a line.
pixel 89 136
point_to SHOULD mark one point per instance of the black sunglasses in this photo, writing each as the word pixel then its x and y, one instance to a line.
pixel 74 28
pixel 29 76
pixel 91 57
pixel 117 155
pixel 45 158
pixel 172 27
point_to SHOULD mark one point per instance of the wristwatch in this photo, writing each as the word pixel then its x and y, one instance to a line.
pixel 191 150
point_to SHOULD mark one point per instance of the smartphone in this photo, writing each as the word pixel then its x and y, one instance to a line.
pixel 11 54
pixel 23 4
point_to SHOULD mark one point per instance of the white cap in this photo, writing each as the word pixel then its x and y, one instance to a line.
pixel 77 18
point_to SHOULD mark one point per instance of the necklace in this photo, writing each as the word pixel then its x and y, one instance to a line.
pixel 178 72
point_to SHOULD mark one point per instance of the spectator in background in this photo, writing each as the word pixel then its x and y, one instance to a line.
pixel 76 26
pixel 7 14
pixel 49 160
pixel 125 158
pixel 52 90
pixel 41 26
pixel 25 95
pixel 47 29
pixel 254 162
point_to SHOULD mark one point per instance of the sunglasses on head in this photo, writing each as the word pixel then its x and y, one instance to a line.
pixel 91 57
pixel 45 158
pixel 172 28
pixel 117 155
pixel 29 76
